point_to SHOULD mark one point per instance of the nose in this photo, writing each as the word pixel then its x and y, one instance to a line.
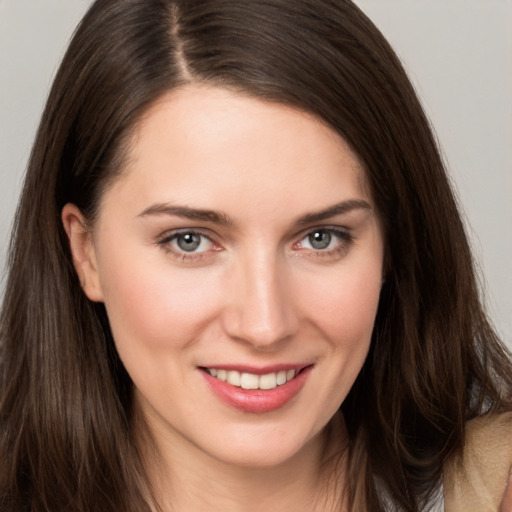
pixel 261 310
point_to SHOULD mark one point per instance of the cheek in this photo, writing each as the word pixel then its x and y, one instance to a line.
pixel 154 304
pixel 344 308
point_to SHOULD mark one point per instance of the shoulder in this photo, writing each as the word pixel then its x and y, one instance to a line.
pixel 476 479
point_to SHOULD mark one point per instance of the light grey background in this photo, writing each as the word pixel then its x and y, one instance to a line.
pixel 457 52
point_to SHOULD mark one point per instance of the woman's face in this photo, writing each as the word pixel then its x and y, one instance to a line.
pixel 238 249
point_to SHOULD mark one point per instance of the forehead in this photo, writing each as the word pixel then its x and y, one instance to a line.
pixel 199 143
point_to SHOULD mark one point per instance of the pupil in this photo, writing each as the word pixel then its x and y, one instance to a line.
pixel 189 242
pixel 320 239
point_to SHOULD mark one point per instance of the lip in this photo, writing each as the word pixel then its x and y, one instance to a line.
pixel 259 370
pixel 258 400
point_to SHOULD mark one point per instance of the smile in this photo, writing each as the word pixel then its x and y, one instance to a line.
pixel 256 391
pixel 252 381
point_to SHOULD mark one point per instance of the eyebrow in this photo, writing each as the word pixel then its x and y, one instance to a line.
pixel 331 211
pixel 217 217
pixel 187 213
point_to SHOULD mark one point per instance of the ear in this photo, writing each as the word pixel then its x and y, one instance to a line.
pixel 82 251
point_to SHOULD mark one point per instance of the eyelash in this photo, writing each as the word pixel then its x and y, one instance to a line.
pixel 166 243
pixel 345 240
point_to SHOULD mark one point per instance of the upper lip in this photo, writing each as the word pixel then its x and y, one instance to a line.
pixel 259 370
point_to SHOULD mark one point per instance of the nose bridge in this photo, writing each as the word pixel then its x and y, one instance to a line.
pixel 262 311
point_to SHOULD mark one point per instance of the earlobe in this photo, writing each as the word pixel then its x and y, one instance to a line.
pixel 82 251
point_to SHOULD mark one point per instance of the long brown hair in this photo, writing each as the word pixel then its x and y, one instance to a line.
pixel 65 399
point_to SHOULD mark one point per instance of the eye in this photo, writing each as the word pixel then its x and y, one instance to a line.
pixel 323 239
pixel 325 242
pixel 190 242
pixel 320 239
pixel 184 242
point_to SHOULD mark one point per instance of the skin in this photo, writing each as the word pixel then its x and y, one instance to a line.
pixel 255 292
pixel 506 502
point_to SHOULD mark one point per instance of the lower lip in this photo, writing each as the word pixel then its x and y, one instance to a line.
pixel 257 400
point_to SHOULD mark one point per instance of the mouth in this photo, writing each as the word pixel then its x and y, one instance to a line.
pixel 257 390
pixel 246 380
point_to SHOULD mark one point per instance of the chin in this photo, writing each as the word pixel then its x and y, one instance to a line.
pixel 263 450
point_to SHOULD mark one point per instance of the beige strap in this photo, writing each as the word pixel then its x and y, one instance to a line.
pixel 476 481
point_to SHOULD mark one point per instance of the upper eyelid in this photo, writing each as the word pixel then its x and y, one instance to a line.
pixel 344 243
pixel 334 229
pixel 168 235
pixel 165 242
pixel 344 234
pixel 171 233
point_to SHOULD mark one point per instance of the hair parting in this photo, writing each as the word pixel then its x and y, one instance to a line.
pixel 435 362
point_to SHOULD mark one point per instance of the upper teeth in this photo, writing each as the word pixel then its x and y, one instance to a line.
pixel 252 381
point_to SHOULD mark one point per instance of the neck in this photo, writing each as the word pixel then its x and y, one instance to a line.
pixel 311 481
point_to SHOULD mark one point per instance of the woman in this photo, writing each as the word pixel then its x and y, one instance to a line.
pixel 232 281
